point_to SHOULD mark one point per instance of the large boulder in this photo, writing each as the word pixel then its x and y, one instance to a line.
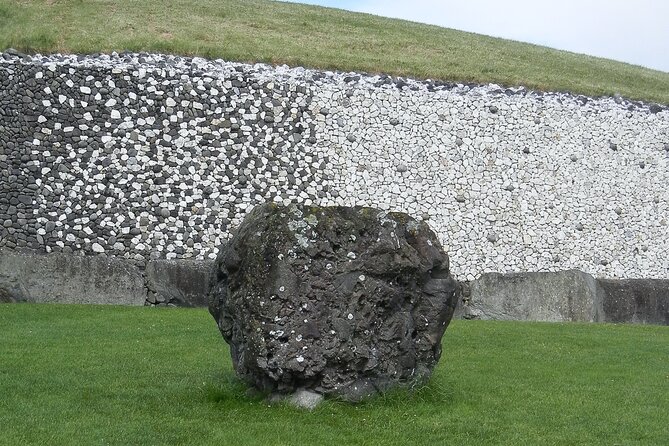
pixel 342 301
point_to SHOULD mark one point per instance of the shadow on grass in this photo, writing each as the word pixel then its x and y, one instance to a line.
pixel 226 387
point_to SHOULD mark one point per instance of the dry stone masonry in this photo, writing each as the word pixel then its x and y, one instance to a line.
pixel 148 156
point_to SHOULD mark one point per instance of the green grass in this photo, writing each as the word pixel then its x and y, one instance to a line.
pixel 118 375
pixel 259 30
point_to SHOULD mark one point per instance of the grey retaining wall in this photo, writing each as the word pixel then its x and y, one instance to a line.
pixel 554 296
pixel 63 278
pixel 68 278
pixel 563 296
pixel 148 157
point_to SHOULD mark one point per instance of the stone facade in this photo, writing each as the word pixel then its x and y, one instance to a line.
pixel 148 157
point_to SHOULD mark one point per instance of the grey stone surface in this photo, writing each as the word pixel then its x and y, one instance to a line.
pixel 12 293
pixel 342 301
pixel 544 296
pixel 61 278
pixel 183 283
pixel 637 301
pixel 305 399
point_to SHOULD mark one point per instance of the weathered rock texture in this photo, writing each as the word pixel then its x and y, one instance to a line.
pixel 564 296
pixel 344 301
pixel 11 294
pixel 638 301
pixel 31 276
pixel 545 296
pixel 182 283
pixel 62 278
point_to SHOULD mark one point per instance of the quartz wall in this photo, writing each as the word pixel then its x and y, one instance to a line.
pixel 147 156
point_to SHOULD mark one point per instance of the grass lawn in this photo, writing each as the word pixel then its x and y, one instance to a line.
pixel 119 375
pixel 274 32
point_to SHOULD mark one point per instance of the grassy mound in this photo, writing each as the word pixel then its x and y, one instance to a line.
pixel 119 375
pixel 274 32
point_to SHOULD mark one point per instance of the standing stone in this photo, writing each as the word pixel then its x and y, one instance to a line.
pixel 342 301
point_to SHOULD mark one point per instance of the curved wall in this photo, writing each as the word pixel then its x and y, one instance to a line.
pixel 150 156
